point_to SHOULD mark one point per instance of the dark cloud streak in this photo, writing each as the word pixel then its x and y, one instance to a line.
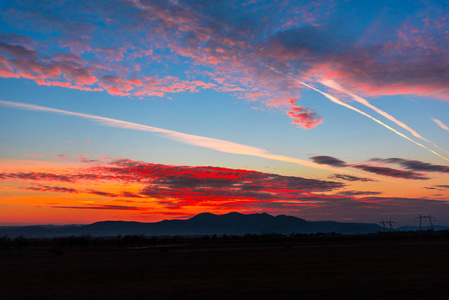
pixel 329 160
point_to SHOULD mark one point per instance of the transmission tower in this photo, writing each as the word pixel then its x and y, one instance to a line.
pixel 390 226
pixel 421 218
pixel 430 221
pixel 390 223
pixel 383 224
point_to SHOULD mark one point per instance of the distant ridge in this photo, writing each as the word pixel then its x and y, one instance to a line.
pixel 201 224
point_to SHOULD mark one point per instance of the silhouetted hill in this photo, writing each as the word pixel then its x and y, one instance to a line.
pixel 424 228
pixel 201 224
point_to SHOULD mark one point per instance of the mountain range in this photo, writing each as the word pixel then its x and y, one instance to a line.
pixel 201 224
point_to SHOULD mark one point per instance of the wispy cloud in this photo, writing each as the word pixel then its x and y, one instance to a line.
pixel 358 193
pixel 336 86
pixel 391 172
pixel 441 124
pixel 200 141
pixel 350 178
pixel 339 102
pixel 300 40
pixel 46 188
pixel 146 188
pixel 102 207
pixel 329 160
pixel 412 167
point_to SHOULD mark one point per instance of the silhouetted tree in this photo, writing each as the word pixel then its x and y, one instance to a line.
pixel 19 243
pixel 4 244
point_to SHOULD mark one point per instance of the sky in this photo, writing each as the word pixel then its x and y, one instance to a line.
pixel 149 110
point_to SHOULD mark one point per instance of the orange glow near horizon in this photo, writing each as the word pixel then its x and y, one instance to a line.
pixel 76 192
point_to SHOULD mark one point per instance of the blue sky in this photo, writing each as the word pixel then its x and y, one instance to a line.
pixel 233 71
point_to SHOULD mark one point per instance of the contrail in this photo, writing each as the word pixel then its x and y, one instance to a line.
pixel 330 97
pixel 334 85
pixel 200 141
pixel 441 124
pixel 339 102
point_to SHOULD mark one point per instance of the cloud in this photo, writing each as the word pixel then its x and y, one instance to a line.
pixel 185 31
pixel 16 51
pixel 194 185
pixel 336 86
pixel 130 195
pixel 357 193
pixel 304 117
pixel 234 38
pixel 46 188
pixel 440 187
pixel 211 44
pixel 36 176
pixel 373 65
pixel 100 193
pixel 59 189
pixel 329 160
pixel 350 178
pixel 102 207
pixel 175 186
pixel 339 102
pixel 72 71
pixel 172 187
pixel 200 141
pixel 391 172
pixel 441 124
pixel 414 165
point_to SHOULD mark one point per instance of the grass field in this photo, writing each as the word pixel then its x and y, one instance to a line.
pixel 326 268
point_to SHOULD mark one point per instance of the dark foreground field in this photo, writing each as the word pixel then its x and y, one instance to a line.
pixel 394 267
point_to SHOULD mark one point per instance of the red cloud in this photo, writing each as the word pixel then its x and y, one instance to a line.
pixel 101 207
pixel 46 188
pixel 304 117
pixel 226 189
pixel 176 186
pixel 36 176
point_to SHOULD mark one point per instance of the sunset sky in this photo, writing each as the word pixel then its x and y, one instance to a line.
pixel 149 110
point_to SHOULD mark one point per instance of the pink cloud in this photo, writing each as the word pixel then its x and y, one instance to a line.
pixel 111 54
pixel 235 54
pixel 303 117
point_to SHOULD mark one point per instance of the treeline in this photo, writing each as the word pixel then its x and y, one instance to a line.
pixel 126 241
pixel 59 244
